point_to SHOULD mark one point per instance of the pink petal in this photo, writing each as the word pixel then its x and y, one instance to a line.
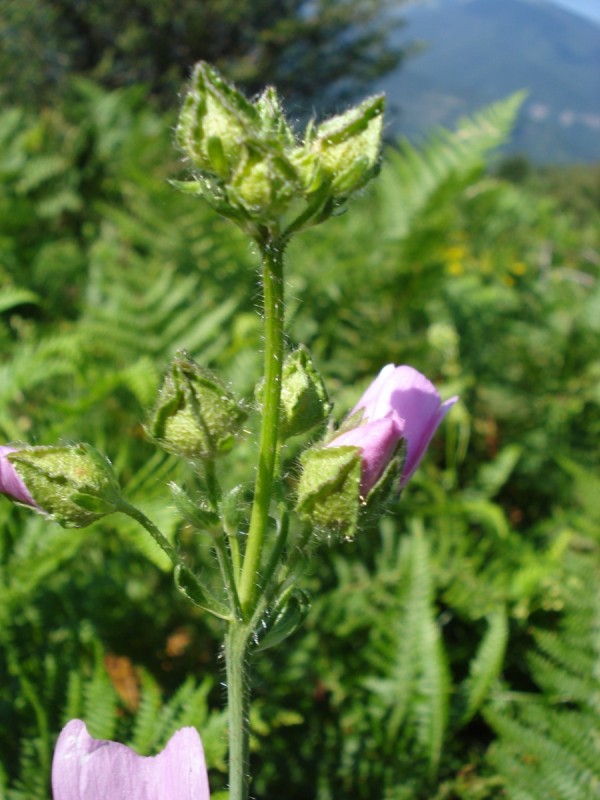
pixel 369 399
pixel 418 441
pixel 10 482
pixel 85 768
pixel 377 441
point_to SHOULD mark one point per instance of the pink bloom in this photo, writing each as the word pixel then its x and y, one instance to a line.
pixel 400 404
pixel 10 482
pixel 85 768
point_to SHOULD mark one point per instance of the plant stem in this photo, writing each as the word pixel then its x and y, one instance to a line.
pixel 160 539
pixel 209 601
pixel 238 702
pixel 272 275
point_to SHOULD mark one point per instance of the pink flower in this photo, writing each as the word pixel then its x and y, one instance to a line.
pixel 400 404
pixel 10 482
pixel 85 768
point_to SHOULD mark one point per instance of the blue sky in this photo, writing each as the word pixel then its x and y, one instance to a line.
pixel 587 8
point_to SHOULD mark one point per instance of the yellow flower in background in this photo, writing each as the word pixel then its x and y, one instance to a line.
pixel 456 252
pixel 455 268
pixel 518 268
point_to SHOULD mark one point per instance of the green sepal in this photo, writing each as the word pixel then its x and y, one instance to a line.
pixel 231 512
pixel 196 514
pixel 88 502
pixel 194 188
pixel 386 489
pixel 328 493
pixel 273 122
pixel 191 587
pixel 289 615
pixel 74 485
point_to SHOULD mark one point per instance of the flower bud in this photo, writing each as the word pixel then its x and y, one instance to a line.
pixel 263 184
pixel 349 145
pixel 73 485
pixel 214 122
pixel 304 401
pixel 196 415
pixel 363 463
pixel 377 441
pixel 411 397
pixel 273 122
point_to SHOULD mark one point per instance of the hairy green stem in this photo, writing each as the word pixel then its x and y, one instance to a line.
pixel 272 275
pixel 209 601
pixel 238 703
pixel 160 539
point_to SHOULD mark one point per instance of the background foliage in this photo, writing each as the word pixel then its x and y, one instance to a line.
pixel 452 652
pixel 305 48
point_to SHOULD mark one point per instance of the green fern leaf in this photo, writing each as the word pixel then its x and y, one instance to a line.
pixel 486 666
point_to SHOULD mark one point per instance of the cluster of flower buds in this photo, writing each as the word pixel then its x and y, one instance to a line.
pixel 251 168
pixel 375 451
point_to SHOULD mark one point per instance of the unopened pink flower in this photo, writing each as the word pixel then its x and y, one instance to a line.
pixel 401 403
pixel 10 482
pixel 85 768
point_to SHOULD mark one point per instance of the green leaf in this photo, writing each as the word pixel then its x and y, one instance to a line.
pixel 485 668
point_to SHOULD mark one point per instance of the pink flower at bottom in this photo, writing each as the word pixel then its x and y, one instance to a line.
pixel 85 768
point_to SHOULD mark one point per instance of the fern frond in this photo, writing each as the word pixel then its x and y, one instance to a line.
pixel 485 668
pixel 100 701
pixel 129 315
pixel 417 686
pixel 144 732
pixel 37 171
pixel 412 176
pixel 548 744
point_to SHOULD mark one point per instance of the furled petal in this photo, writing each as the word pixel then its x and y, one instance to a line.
pixel 377 441
pixel 417 401
pixel 368 401
pixel 85 768
pixel 413 398
pixel 10 483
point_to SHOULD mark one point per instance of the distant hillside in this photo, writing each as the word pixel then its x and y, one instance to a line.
pixel 477 51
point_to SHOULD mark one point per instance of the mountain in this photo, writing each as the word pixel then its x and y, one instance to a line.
pixel 477 51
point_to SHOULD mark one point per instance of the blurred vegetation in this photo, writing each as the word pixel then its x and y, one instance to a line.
pixel 313 51
pixel 452 652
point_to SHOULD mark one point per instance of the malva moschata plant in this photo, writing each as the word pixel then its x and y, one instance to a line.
pixel 250 166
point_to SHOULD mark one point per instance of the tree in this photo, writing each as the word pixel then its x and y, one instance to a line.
pixel 307 48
